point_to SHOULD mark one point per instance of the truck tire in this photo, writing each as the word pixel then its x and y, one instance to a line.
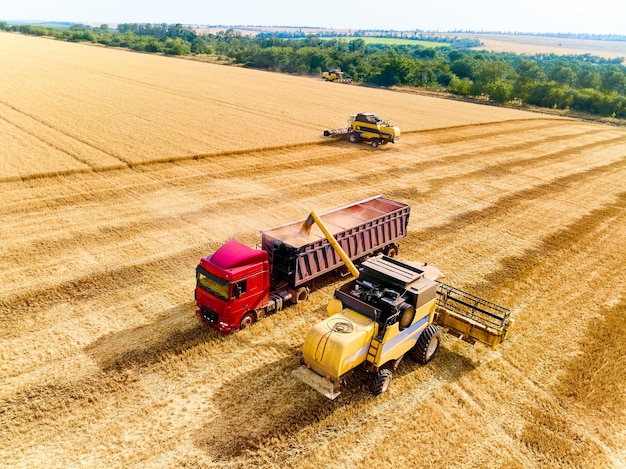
pixel 247 320
pixel 391 251
pixel 381 381
pixel 353 137
pixel 302 295
pixel 427 345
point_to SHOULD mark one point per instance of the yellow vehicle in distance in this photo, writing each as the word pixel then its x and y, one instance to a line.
pixel 336 76
pixel 367 127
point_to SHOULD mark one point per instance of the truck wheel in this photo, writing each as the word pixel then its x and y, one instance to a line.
pixel 381 381
pixel 353 137
pixel 392 251
pixel 427 345
pixel 302 294
pixel 247 320
pixel 374 143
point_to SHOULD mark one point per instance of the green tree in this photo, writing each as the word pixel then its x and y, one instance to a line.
pixel 589 79
pixel 529 74
pixel 551 95
pixel 398 70
pixel 498 90
pixel 465 67
pixel 356 45
pixel 176 47
pixel 460 86
pixel 564 75
pixel 614 80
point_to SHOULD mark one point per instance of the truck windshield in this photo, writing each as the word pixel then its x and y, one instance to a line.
pixel 212 284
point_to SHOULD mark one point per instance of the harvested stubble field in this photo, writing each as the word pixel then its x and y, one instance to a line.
pixel 118 171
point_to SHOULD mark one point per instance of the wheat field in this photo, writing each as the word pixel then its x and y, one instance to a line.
pixel 119 170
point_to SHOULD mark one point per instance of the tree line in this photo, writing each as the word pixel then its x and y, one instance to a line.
pixel 583 83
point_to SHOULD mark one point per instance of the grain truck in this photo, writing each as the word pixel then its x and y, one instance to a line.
pixel 238 285
pixel 391 309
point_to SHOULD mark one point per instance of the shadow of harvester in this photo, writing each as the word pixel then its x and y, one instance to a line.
pixel 268 406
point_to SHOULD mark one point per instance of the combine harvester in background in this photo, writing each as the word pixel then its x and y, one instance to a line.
pixel 336 76
pixel 388 310
pixel 366 127
pixel 238 285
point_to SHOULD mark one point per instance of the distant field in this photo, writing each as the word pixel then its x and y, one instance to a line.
pixel 530 45
pixel 390 41
pixel 517 43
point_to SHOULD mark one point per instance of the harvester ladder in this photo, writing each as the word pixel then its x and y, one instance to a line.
pixel 373 351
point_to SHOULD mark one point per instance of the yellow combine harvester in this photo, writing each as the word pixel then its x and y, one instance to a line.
pixel 367 127
pixel 390 309
pixel 336 76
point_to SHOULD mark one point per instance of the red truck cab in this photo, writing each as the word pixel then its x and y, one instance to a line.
pixel 231 284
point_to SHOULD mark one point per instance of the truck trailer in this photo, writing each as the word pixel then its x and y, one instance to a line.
pixel 237 285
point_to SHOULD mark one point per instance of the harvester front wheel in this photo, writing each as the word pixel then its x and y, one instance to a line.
pixel 247 320
pixel 353 137
pixel 381 381
pixel 427 345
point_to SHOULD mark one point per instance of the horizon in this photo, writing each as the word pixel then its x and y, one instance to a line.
pixel 39 22
pixel 604 17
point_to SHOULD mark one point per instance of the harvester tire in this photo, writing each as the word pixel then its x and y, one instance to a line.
pixel 374 143
pixel 247 320
pixel 381 381
pixel 427 345
pixel 354 137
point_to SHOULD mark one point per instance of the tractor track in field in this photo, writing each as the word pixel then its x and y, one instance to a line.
pixel 22 306
pixel 142 222
pixel 35 132
pixel 257 161
pixel 143 84
pixel 339 147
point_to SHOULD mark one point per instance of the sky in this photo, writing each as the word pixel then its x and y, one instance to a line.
pixel 531 16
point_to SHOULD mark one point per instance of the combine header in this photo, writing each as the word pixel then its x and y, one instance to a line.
pixel 471 318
